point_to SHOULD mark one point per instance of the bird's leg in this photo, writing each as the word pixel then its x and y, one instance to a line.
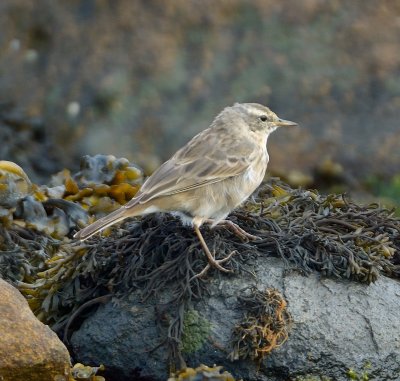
pixel 236 229
pixel 211 260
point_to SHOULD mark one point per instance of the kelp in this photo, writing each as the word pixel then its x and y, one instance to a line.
pixel 202 372
pixel 309 231
pixel 103 184
pixel 23 253
pixel 36 221
pixel 80 372
pixel 328 234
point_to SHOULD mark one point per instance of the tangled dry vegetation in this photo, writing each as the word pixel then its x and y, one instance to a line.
pixel 61 278
pixel 264 327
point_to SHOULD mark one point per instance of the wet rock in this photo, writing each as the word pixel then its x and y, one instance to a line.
pixel 54 217
pixel 103 169
pixel 103 184
pixel 337 325
pixel 29 350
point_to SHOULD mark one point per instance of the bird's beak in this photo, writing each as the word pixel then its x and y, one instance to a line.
pixel 285 123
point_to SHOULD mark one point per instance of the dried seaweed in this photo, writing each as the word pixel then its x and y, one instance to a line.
pixel 62 279
pixel 264 327
pixel 23 253
pixel 202 372
pixel 328 234
pixel 310 232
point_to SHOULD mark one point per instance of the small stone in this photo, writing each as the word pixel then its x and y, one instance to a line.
pixel 73 109
pixel 31 56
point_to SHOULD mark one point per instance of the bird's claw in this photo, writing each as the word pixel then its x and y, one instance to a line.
pixel 216 263
pixel 236 229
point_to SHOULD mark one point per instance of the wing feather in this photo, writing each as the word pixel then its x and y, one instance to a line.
pixel 204 160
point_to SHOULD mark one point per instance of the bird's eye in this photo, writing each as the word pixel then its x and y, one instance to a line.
pixel 263 118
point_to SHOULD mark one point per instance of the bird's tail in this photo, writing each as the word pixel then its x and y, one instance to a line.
pixel 101 224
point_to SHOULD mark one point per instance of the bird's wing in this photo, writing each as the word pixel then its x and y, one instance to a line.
pixel 206 159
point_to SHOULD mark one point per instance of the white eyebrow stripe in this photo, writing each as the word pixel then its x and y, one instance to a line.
pixel 256 112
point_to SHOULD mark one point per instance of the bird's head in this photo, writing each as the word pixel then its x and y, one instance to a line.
pixel 260 118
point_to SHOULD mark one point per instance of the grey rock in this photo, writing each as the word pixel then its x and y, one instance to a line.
pixel 337 325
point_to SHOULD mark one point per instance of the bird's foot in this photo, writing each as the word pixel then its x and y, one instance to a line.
pixel 216 263
pixel 212 262
pixel 236 229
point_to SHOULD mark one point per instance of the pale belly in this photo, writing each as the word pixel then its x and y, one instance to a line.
pixel 216 201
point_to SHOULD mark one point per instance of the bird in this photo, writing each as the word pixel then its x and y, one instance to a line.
pixel 210 176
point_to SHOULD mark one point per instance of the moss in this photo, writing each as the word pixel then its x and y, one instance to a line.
pixel 195 331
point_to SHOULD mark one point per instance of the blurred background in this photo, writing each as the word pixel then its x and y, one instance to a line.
pixel 138 78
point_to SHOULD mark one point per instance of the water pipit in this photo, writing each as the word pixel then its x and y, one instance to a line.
pixel 207 178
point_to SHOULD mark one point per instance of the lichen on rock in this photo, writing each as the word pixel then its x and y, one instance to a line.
pixel 195 331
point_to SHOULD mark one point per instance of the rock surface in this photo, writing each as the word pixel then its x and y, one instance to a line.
pixel 29 350
pixel 337 325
